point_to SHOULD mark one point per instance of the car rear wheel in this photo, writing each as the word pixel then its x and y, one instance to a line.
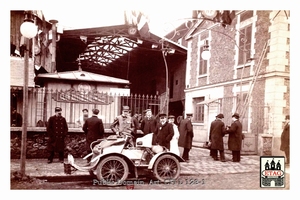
pixel 112 171
pixel 166 168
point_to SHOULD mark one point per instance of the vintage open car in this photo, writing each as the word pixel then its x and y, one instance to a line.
pixel 113 161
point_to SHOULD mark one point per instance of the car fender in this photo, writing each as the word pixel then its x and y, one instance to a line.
pixel 156 156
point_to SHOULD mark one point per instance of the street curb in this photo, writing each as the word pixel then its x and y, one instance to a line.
pixel 86 177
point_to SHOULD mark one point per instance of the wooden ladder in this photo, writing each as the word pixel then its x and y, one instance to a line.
pixel 253 81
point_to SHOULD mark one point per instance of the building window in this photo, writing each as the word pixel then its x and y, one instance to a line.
pixel 246 15
pixel 199 110
pixel 245 35
pixel 202 63
pixel 245 44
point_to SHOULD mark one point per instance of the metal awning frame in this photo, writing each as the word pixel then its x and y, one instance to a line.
pixel 107 44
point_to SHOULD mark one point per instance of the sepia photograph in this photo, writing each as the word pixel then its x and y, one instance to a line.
pixel 150 98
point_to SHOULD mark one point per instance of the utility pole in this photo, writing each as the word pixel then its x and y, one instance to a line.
pixel 25 108
pixel 167 82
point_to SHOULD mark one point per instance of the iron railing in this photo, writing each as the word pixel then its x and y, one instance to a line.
pixel 42 102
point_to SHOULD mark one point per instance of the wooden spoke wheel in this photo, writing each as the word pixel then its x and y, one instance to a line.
pixel 166 168
pixel 112 171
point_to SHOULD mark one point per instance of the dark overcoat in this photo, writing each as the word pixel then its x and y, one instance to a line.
pixel 164 134
pixel 94 129
pixel 216 134
pixel 136 124
pixel 186 133
pixel 57 130
pixel 235 136
pixel 285 138
pixel 149 125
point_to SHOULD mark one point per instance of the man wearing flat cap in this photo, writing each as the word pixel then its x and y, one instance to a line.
pixel 186 135
pixel 164 132
pixel 57 130
pixel 149 122
pixel 216 134
pixel 235 137
pixel 94 130
pixel 285 139
pixel 123 125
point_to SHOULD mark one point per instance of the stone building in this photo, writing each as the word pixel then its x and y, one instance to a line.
pixel 247 73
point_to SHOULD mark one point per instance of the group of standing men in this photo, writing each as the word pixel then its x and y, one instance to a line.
pixel 165 132
pixel 57 130
pixel 218 131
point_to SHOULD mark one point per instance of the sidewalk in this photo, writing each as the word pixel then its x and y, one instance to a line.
pixel 200 163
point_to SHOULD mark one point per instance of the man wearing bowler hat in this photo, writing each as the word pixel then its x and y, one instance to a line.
pixel 186 135
pixel 57 130
pixel 235 137
pixel 216 134
pixel 164 132
pixel 124 125
pixel 94 130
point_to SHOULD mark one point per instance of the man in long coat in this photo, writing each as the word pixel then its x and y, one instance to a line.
pixel 186 135
pixel 164 132
pixel 235 137
pixel 149 123
pixel 94 130
pixel 57 130
pixel 174 142
pixel 285 139
pixel 216 134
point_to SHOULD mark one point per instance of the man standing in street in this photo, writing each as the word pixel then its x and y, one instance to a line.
pixel 94 130
pixel 149 123
pixel 85 115
pixel 164 132
pixel 235 137
pixel 216 134
pixel 57 130
pixel 135 119
pixel 186 135
pixel 123 125
pixel 174 142
pixel 285 139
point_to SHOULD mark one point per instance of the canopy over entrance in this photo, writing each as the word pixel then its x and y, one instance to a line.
pixel 107 46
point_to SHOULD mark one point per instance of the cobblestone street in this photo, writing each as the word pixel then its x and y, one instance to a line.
pixel 201 172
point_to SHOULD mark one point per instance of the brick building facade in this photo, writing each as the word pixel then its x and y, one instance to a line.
pixel 248 73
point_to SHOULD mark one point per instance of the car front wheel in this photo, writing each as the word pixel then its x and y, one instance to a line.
pixel 166 168
pixel 112 171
